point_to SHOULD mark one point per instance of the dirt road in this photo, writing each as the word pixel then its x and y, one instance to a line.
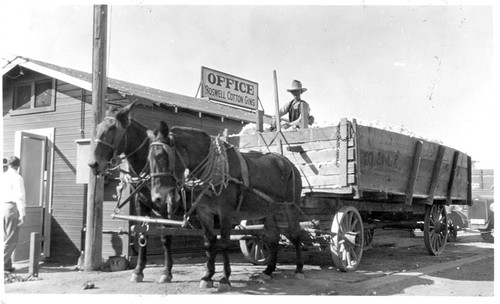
pixel 396 265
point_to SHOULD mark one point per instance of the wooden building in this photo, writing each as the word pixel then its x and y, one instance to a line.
pixel 47 119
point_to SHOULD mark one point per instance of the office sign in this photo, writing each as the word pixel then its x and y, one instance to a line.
pixel 229 89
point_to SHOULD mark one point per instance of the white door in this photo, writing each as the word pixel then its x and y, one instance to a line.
pixel 33 169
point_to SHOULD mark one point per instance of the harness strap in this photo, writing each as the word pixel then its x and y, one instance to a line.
pixel 244 176
pixel 244 168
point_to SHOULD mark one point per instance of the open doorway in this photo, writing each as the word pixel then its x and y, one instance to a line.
pixel 35 149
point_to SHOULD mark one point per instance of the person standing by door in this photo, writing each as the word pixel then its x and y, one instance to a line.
pixel 14 201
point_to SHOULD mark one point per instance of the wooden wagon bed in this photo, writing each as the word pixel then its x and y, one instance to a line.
pixel 362 162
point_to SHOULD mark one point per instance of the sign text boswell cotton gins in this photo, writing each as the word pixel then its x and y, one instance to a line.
pixel 229 89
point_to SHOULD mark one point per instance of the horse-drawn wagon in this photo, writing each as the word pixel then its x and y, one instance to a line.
pixel 351 180
pixel 358 178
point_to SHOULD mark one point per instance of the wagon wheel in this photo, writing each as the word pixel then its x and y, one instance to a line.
pixel 452 231
pixel 255 250
pixel 347 239
pixel 435 228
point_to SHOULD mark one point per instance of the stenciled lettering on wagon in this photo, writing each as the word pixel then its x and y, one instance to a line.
pixel 380 159
pixel 229 89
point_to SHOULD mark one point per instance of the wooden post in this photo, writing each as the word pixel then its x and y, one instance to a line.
pixel 417 157
pixel 93 236
pixel 453 174
pixel 35 251
pixel 277 109
pixel 259 121
pixel 435 174
pixel 304 120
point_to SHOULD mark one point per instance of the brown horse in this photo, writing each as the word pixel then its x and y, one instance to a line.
pixel 229 186
pixel 119 133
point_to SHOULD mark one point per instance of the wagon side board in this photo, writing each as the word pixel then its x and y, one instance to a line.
pixel 402 165
pixel 364 162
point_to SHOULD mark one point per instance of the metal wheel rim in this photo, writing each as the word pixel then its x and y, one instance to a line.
pixel 255 250
pixel 435 228
pixel 347 239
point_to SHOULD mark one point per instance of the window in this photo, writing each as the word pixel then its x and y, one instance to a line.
pixel 33 97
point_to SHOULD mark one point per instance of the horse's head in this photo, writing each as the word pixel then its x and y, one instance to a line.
pixel 166 169
pixel 110 138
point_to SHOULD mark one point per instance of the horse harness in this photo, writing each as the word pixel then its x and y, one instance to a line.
pixel 141 178
pixel 215 164
pixel 114 146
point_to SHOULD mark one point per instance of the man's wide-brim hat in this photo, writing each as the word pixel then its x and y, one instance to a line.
pixel 297 86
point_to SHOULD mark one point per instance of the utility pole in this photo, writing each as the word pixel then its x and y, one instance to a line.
pixel 95 194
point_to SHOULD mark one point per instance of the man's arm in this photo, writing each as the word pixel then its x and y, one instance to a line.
pixel 20 196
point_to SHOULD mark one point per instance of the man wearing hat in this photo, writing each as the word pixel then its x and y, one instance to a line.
pixel 292 108
pixel 14 205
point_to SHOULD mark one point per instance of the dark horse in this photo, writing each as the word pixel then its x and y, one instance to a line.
pixel 228 186
pixel 119 133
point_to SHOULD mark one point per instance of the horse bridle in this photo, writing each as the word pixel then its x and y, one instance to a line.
pixel 116 139
pixel 171 153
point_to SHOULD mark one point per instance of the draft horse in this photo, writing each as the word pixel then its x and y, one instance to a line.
pixel 118 134
pixel 227 186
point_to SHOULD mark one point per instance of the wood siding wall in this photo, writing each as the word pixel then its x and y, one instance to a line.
pixel 68 201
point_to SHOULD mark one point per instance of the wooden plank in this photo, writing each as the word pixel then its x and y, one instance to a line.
pixel 321 181
pixel 342 153
pixel 35 252
pixel 469 181
pixel 323 169
pixel 435 173
pixel 304 110
pixel 290 137
pixel 452 177
pixel 414 172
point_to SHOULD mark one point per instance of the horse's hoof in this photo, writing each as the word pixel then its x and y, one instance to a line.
pixel 300 275
pixel 206 284
pixel 224 287
pixel 136 278
pixel 165 278
pixel 264 278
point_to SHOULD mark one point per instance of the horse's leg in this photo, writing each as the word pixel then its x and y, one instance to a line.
pixel 166 275
pixel 209 239
pixel 294 234
pixel 273 241
pixel 137 274
pixel 225 231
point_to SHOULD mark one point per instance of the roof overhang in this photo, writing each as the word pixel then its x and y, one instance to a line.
pixel 54 74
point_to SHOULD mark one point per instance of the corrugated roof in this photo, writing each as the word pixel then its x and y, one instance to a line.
pixel 159 97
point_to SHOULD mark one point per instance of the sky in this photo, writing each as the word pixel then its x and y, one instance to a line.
pixel 428 68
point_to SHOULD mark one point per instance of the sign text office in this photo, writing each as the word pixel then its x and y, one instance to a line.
pixel 229 89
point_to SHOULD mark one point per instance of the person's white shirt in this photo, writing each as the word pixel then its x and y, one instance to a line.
pixel 12 190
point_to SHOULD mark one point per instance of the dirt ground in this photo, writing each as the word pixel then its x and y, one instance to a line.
pixel 395 265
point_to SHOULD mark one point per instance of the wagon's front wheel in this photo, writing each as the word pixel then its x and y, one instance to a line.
pixel 347 239
pixel 435 228
pixel 255 249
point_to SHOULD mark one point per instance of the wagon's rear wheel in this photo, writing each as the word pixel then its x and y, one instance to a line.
pixel 255 250
pixel 452 231
pixel 435 228
pixel 347 239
